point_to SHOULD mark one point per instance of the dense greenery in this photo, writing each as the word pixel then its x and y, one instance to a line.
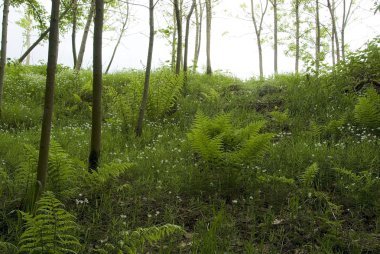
pixel 286 165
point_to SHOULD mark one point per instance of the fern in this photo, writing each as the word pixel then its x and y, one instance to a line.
pixel 25 174
pixel 309 176
pixel 8 248
pixel 367 110
pixel 133 242
pixel 105 173
pixel 50 230
pixel 63 177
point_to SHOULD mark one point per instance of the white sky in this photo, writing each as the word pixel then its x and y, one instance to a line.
pixel 233 40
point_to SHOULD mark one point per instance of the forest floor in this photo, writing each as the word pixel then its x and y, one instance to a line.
pixel 285 165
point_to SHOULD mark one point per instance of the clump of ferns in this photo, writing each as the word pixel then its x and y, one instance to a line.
pixel 137 241
pixel 51 229
pixel 62 174
pixel 367 111
pixel 218 143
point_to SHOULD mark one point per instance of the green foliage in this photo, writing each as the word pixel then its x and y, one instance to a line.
pixel 133 242
pixel 95 181
pixel 219 143
pixel 367 111
pixel 50 230
pixel 8 248
pixel 309 176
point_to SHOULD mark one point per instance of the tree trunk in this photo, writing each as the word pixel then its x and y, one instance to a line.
pixel 178 14
pixel 208 35
pixel 119 39
pixel 297 11
pixel 73 33
pixel 96 130
pixel 42 36
pixel 258 29
pixel 198 34
pixel 174 41
pixel 144 100
pixel 27 43
pixel 43 157
pixel 317 38
pixel 275 39
pixel 3 56
pixel 187 36
pixel 84 37
pixel 260 57
pixel 334 38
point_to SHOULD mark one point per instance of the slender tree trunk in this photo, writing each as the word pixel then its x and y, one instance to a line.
pixel 345 18
pixel 144 100
pixel 43 157
pixel 3 56
pixel 74 31
pixel 260 57
pixel 333 47
pixel 198 35
pixel 119 39
pixel 187 36
pixel 208 34
pixel 178 14
pixel 297 11
pixel 275 39
pixel 258 29
pixel 334 38
pixel 27 44
pixel 317 38
pixel 42 36
pixel 96 130
pixel 84 37
pixel 174 41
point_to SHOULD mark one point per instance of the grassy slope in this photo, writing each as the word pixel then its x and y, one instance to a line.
pixel 335 212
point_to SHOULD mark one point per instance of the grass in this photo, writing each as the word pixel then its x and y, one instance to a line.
pixel 270 207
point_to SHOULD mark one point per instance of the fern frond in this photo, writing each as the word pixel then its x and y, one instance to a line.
pixel 348 173
pixel 254 148
pixel 367 110
pixel 50 230
pixel 8 248
pixel 105 173
pixel 134 241
pixel 310 174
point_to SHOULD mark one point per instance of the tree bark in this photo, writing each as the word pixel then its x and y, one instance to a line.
pixel 84 37
pixel 187 36
pixel 178 14
pixel 198 33
pixel 174 41
pixel 96 130
pixel 3 56
pixel 208 36
pixel 334 38
pixel 73 33
pixel 297 11
pixel 43 157
pixel 144 100
pixel 258 29
pixel 275 39
pixel 345 18
pixel 317 38
pixel 42 36
pixel 119 39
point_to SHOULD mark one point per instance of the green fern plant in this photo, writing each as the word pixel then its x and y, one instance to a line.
pixel 218 142
pixel 133 242
pixel 367 110
pixel 8 248
pixel 308 178
pixel 50 230
pixel 96 180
